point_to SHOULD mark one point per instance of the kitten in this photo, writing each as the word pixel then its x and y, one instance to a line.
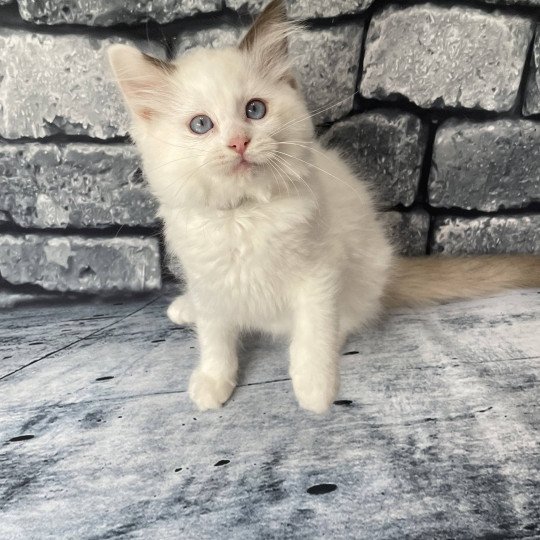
pixel 273 231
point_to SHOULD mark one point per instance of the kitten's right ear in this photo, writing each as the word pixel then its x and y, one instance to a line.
pixel 142 79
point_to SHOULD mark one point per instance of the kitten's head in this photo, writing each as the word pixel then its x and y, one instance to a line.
pixel 214 127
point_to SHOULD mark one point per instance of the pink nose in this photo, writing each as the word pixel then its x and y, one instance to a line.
pixel 239 144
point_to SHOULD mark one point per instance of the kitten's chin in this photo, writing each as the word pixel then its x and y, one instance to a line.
pixel 243 169
pixel 243 166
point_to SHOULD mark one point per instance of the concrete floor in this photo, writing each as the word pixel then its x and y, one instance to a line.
pixel 435 434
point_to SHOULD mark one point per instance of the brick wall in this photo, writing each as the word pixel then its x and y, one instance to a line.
pixel 445 124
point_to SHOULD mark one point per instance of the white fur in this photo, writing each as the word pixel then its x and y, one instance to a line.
pixel 292 246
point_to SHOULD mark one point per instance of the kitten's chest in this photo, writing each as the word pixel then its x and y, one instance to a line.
pixel 242 247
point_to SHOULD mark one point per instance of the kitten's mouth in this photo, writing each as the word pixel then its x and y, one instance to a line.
pixel 243 165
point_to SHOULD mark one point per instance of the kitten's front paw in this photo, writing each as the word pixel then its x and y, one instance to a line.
pixel 181 310
pixel 208 392
pixel 316 391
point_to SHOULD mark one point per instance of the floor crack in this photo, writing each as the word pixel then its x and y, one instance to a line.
pixel 79 339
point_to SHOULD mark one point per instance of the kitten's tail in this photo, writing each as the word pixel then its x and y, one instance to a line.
pixel 422 281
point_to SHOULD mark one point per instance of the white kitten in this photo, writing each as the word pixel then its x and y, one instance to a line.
pixel 273 231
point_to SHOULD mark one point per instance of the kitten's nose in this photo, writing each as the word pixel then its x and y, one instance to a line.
pixel 239 144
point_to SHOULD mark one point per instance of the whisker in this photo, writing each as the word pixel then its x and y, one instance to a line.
pixel 315 198
pixel 167 163
pixel 174 145
pixel 274 170
pixel 186 179
pixel 323 171
pixel 306 147
pixel 314 113
pixel 275 163
pixel 291 180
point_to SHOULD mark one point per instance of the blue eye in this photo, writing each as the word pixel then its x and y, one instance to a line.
pixel 255 109
pixel 201 124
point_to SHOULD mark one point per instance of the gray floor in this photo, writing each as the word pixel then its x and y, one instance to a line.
pixel 436 434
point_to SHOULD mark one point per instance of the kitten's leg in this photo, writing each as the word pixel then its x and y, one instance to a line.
pixel 315 346
pixel 181 310
pixel 213 381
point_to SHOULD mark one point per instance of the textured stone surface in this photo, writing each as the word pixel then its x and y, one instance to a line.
pixel 215 38
pixel 408 231
pixel 458 57
pixel 533 3
pixel 531 104
pixel 78 185
pixel 9 299
pixel 387 149
pixel 53 84
pixel 46 335
pixel 435 434
pixel 109 12
pixel 76 263
pixel 486 166
pixel 483 235
pixel 306 9
pixel 326 62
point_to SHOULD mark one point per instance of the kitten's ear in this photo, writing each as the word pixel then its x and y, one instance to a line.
pixel 142 79
pixel 267 40
pixel 268 29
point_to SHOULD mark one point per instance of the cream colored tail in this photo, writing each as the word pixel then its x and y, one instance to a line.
pixel 421 281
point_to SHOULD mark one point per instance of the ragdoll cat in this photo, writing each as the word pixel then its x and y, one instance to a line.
pixel 273 231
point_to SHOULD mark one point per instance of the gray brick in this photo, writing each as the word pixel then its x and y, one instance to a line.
pixel 61 83
pixel 109 12
pixel 408 231
pixel 79 264
pixel 9 299
pixel 387 149
pixel 215 38
pixel 486 165
pixel 484 235
pixel 326 62
pixel 531 104
pixel 306 9
pixel 439 57
pixel 533 3
pixel 78 185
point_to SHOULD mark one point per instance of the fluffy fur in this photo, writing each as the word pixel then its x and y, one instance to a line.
pixel 289 243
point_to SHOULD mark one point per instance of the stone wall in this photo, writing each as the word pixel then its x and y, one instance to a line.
pixel 445 124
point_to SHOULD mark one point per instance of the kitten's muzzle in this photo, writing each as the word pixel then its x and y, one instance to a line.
pixel 243 165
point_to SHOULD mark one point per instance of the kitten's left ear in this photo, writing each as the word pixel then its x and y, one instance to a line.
pixel 267 41
pixel 142 79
